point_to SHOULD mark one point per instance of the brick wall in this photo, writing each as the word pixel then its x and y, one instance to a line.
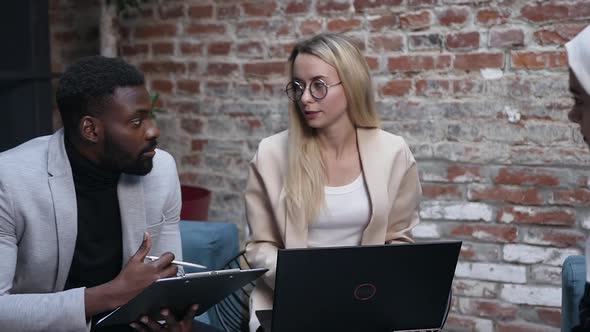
pixel 477 87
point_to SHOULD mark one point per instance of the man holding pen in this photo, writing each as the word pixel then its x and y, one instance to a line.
pixel 76 206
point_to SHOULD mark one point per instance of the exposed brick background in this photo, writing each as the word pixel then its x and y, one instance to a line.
pixel 478 88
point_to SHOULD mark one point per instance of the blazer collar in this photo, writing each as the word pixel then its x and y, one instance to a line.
pixel 63 194
pixel 372 169
pixel 133 216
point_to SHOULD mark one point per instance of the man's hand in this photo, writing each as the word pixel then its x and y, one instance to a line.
pixel 132 280
pixel 146 324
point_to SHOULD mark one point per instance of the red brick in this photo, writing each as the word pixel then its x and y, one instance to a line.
pixel 431 41
pixel 188 86
pixel 494 233
pixel 310 27
pixel 539 60
pixel 155 31
pixel 259 8
pixel 441 191
pixel 573 197
pixel 173 11
pixel 489 17
pixel 361 5
pixel 396 88
pixel 416 21
pixel 193 161
pixel 228 12
pixel 580 9
pixel 387 43
pixel 192 126
pixel 518 327
pixel 506 38
pixel 558 34
pixel 193 67
pixel 422 3
pixel 343 25
pixel 489 308
pixel 480 252
pixel 550 316
pixel 162 67
pixel 187 48
pixel 249 89
pixel 163 48
pixel 467 87
pixel 281 50
pixel 217 88
pixel 463 173
pixel 219 48
pixel 460 323
pixel 221 68
pixel 331 6
pixel 419 62
pixel 476 61
pixel 453 16
pixel 198 144
pixel 274 89
pixel 561 238
pixel 383 22
pixel 525 176
pixel 164 86
pixel 543 12
pixel 255 27
pixel 432 88
pixel 135 49
pixel 205 29
pixel 372 62
pixel 264 68
pixel 463 41
pixel 556 217
pixel 298 7
pixel 251 49
pixel 523 196
pixel 198 12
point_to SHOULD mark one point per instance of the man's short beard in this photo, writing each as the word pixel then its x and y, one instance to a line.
pixel 118 161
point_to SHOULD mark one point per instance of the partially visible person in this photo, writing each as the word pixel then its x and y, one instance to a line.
pixel 578 52
pixel 81 209
pixel 333 178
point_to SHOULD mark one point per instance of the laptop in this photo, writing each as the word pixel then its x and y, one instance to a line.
pixel 384 288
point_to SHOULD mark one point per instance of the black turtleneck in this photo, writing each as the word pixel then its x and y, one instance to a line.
pixel 99 245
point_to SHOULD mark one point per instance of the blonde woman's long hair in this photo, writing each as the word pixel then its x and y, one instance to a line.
pixel 306 173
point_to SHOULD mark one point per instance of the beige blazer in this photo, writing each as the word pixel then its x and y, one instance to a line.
pixel 390 173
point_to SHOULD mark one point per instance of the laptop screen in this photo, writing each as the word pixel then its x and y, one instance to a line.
pixel 367 288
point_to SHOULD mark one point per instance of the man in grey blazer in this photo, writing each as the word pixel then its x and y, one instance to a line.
pixel 80 209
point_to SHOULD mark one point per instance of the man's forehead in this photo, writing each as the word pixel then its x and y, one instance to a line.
pixel 131 93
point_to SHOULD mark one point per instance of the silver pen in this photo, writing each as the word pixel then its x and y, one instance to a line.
pixel 153 258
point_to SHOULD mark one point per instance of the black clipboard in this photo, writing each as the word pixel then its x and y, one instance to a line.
pixel 177 293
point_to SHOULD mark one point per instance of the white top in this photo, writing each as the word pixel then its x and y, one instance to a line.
pixel 578 55
pixel 344 218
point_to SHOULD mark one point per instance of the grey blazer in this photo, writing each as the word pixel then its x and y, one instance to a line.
pixel 38 227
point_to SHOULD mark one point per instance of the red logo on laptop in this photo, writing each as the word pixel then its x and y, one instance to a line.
pixel 364 292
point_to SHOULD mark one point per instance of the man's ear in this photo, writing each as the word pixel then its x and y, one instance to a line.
pixel 91 129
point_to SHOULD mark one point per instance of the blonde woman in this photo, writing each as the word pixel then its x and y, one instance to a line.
pixel 333 178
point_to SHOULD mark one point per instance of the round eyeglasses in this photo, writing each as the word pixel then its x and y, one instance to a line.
pixel 317 88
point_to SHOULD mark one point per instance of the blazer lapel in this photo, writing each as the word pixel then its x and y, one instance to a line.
pixel 132 207
pixel 374 233
pixel 63 195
